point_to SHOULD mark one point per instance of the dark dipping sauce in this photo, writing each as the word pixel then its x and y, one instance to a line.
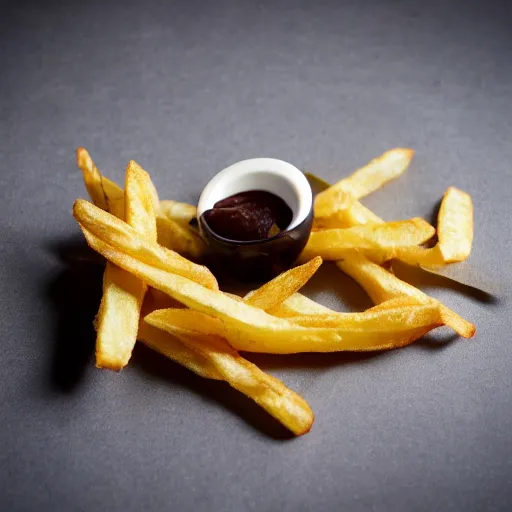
pixel 249 216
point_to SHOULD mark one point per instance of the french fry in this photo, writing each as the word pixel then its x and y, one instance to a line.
pixel 382 286
pixel 276 291
pixel 381 170
pixel 455 225
pixel 118 317
pixel 212 357
pixel 92 178
pixel 106 226
pixel 401 233
pixel 139 202
pixel 344 331
pixel 454 229
pixel 380 242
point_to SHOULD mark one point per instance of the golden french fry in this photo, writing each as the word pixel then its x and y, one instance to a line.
pixel 378 241
pixel 381 286
pixel 115 196
pixel 118 317
pixel 455 233
pixel 139 204
pixel 119 233
pixel 92 178
pixel 401 233
pixel 154 197
pixel 455 225
pixel 381 170
pixel 182 213
pixel 355 214
pixel 344 331
pixel 364 181
pixel 276 291
pixel 180 238
pixel 218 359
pixel 346 320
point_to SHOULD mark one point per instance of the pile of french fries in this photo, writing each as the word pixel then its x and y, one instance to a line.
pixel 154 292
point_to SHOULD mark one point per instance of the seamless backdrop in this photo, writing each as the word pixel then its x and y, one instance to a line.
pixel 187 88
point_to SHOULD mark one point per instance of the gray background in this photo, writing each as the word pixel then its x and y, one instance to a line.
pixel 186 88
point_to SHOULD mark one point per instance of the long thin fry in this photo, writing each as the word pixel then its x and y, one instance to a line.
pixel 139 203
pixel 381 286
pixel 276 291
pixel 381 170
pixel 455 233
pixel 359 331
pixel 92 178
pixel 455 225
pixel 106 226
pixel 117 318
pixel 380 242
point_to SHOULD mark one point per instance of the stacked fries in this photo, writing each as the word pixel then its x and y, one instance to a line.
pixel 153 293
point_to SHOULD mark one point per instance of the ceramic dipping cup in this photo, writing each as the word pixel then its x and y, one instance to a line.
pixel 258 260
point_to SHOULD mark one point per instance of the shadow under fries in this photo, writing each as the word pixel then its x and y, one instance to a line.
pixel 310 360
pixel 75 294
pixel 219 392
pixel 421 278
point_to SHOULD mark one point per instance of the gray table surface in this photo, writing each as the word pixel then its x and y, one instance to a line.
pixel 186 88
